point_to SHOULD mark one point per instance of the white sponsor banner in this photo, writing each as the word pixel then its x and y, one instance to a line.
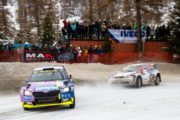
pixel 126 36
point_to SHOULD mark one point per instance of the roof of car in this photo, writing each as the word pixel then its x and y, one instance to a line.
pixel 50 67
pixel 141 64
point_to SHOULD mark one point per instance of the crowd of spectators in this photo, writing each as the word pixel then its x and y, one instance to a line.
pixel 98 29
pixel 6 47
pixel 158 33
pixel 80 52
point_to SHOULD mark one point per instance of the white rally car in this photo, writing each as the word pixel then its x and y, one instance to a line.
pixel 138 75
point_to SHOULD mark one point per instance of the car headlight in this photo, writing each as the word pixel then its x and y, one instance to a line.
pixel 27 92
pixel 66 89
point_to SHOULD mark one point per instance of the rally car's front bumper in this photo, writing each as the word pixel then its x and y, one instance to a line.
pixel 122 80
pixel 62 99
pixel 31 106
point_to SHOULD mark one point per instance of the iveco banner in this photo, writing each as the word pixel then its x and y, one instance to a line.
pixel 126 36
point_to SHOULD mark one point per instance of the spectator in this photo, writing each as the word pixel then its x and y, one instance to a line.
pixel 103 30
pixel 152 32
pixel 71 48
pixel 75 53
pixel 91 26
pixel 91 50
pixel 85 51
pixel 80 31
pixel 79 51
pixel 10 47
pixel 85 32
pixel 74 30
pixel 65 34
pixel 148 30
pixel 65 24
pixel 100 50
pixel 46 48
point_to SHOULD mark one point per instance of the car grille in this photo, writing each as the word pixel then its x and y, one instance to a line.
pixel 46 100
pixel 49 97
pixel 48 94
pixel 121 76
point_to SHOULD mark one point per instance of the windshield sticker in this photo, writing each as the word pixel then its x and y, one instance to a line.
pixel 46 71
pixel 45 88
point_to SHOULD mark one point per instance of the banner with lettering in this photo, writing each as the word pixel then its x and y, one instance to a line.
pixel 126 36
pixel 40 56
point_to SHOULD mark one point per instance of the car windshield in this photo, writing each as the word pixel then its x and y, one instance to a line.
pixel 48 75
pixel 131 68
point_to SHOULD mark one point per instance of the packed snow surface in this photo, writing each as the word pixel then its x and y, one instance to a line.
pixel 96 100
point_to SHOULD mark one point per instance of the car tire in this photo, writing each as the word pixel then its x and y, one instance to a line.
pixel 157 80
pixel 73 105
pixel 138 83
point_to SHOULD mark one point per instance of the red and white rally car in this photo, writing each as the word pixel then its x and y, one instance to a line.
pixel 138 75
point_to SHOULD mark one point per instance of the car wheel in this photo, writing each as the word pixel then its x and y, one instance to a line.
pixel 72 105
pixel 157 80
pixel 138 82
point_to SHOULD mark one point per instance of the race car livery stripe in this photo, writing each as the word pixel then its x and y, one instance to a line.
pixel 57 85
pixel 59 96
pixel 48 105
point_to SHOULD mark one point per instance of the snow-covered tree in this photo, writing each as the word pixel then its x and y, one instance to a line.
pixel 31 14
pixel 48 32
pixel 4 21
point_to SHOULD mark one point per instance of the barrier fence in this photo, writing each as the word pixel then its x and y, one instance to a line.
pixel 10 56
pixel 157 51
pixel 122 53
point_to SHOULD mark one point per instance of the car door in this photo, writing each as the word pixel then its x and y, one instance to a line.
pixel 146 74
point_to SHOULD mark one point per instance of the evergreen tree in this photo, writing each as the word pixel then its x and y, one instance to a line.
pixel 175 26
pixel 48 33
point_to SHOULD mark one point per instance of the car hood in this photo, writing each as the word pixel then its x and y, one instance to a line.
pixel 123 74
pixel 45 85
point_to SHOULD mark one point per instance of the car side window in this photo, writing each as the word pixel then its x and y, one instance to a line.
pixel 145 68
